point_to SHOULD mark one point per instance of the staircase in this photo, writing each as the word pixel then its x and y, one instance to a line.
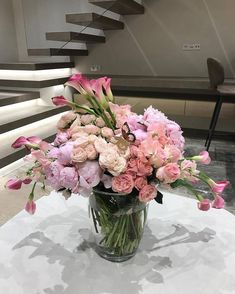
pixel 26 88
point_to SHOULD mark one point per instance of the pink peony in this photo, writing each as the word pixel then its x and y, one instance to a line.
pixel 14 184
pixel 61 138
pixel 218 202
pixel 107 181
pixel 53 153
pixel 30 207
pixel 168 173
pixel 175 135
pixel 140 135
pixel 140 182
pixel 147 193
pixel 90 174
pixel 152 115
pixel 65 153
pixel 79 154
pixel 189 170
pixel 204 205
pixel 123 184
pixel 52 173
pixel 69 178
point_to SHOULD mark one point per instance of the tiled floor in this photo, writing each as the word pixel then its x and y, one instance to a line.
pixel 222 167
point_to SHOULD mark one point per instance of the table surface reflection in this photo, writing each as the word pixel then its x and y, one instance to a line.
pixel 183 251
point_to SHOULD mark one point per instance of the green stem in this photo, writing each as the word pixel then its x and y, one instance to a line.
pixel 31 195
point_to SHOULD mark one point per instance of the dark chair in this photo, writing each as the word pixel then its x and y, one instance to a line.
pixel 216 77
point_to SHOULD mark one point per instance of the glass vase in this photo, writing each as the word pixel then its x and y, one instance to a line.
pixel 118 222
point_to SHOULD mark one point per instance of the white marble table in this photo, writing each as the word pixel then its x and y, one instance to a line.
pixel 184 251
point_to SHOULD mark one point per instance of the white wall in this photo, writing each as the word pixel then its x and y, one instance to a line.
pixel 8 44
pixel 150 44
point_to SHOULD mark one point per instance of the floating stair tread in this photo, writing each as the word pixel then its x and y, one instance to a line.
pixel 8 97
pixel 94 20
pixel 74 37
pixel 16 155
pixel 57 52
pixel 9 122
pixel 42 128
pixel 33 84
pixel 123 7
pixel 35 66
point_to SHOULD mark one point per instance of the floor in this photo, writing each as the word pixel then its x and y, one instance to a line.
pixel 221 168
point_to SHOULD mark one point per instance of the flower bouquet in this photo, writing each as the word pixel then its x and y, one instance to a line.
pixel 118 158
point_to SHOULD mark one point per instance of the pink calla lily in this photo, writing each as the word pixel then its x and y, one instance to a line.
pixel 60 101
pixel 14 184
pixel 30 207
pixel 204 205
pixel 29 142
pixel 81 84
pixel 218 202
pixel 218 187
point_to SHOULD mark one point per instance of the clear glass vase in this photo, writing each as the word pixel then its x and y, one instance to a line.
pixel 118 222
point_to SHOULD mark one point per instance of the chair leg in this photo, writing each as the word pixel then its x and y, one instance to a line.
pixel 212 121
pixel 216 116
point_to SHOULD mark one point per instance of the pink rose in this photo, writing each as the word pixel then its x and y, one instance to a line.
pixel 100 122
pixel 140 182
pixel 87 119
pixel 30 207
pixel 111 160
pixel 144 168
pixel 204 205
pixel 123 184
pixel 218 202
pixel 91 152
pixel 107 132
pixel 147 193
pixel 79 155
pixel 168 173
pixel 92 129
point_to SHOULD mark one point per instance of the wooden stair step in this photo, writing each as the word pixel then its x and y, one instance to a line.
pixel 8 97
pixel 74 37
pixel 35 66
pixel 123 7
pixel 94 20
pixel 33 84
pixel 20 119
pixel 57 52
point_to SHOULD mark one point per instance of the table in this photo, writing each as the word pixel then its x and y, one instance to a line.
pixel 184 250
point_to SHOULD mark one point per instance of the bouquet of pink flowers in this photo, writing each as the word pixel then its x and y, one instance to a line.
pixel 106 145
